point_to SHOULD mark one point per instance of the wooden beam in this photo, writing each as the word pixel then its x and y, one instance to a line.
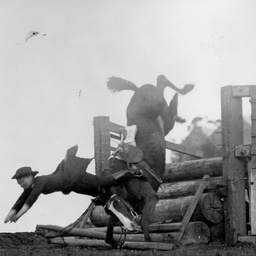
pixel 81 222
pixel 153 228
pixel 194 169
pixel 101 142
pixel 187 188
pixel 233 168
pixel 101 243
pixel 184 150
pixel 192 207
pixel 252 167
pixel 196 232
pixel 243 90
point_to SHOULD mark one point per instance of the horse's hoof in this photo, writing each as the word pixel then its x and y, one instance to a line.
pixel 112 242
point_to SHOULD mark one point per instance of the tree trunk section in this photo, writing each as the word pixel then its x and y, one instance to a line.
pixel 187 188
pixel 209 209
pixel 192 170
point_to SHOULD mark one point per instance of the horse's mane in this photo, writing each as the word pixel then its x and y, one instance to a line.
pixel 116 84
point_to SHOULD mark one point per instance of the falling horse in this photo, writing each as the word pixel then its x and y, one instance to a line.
pixel 154 119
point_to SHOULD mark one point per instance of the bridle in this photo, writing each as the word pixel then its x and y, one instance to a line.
pixel 119 244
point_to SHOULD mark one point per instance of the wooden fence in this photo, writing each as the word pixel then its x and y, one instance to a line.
pixel 176 194
pixel 220 206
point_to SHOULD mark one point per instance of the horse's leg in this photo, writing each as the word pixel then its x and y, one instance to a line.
pixel 110 230
pixel 170 114
pixel 147 213
pixel 143 192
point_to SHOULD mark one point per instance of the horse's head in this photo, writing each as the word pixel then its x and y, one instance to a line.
pixel 123 211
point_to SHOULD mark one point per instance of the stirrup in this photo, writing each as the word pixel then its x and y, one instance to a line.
pixel 138 173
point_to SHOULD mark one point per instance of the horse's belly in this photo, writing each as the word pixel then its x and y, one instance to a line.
pixel 154 152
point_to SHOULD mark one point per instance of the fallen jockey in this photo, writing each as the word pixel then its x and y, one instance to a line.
pixel 70 175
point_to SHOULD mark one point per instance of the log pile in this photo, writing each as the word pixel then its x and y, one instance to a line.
pixel 181 181
pixel 177 194
pixel 163 236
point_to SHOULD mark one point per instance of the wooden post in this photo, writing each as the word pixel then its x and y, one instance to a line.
pixel 233 168
pixel 192 206
pixel 101 142
pixel 252 167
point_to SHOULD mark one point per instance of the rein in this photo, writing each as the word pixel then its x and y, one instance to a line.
pixel 119 244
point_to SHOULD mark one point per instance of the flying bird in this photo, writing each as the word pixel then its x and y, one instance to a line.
pixel 31 34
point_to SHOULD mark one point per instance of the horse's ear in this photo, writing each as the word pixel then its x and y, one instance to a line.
pixel 116 84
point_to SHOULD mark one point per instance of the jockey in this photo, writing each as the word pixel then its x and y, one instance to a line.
pixel 70 175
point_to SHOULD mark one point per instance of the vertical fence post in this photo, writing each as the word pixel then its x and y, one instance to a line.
pixel 233 168
pixel 252 166
pixel 101 142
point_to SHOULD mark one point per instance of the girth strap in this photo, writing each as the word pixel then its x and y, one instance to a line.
pixel 151 171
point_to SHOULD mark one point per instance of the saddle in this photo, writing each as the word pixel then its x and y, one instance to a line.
pixel 128 151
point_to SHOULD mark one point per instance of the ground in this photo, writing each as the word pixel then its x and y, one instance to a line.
pixel 28 243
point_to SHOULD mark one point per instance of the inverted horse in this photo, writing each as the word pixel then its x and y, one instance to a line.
pixel 154 119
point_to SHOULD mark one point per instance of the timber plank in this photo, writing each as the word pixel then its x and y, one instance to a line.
pixel 233 168
pixel 192 207
pixel 101 243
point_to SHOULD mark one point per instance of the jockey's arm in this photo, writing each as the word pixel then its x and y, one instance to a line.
pixel 22 211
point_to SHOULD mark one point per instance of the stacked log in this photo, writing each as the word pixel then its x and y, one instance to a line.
pixel 181 181
pixel 185 188
pixel 192 170
pixel 163 236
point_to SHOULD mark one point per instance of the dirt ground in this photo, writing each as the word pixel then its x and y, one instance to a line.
pixel 28 243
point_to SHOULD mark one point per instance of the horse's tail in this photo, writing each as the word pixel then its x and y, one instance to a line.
pixel 116 84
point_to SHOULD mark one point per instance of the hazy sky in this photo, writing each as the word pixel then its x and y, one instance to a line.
pixel 53 84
